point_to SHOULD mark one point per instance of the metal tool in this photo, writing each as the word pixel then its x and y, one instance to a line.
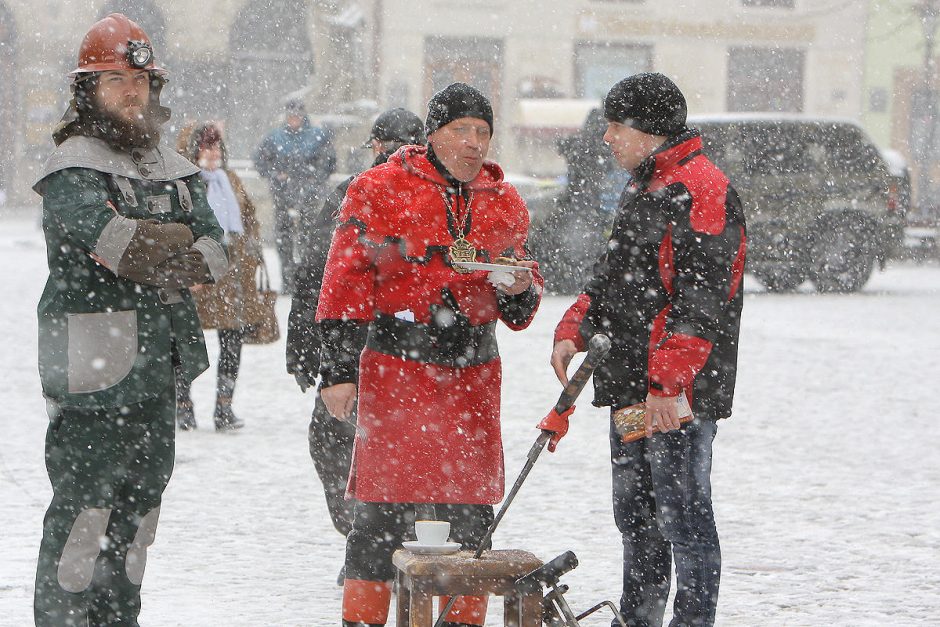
pixel 555 609
pixel 598 347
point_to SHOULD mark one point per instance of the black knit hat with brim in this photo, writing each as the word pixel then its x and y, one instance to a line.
pixel 648 102
pixel 456 101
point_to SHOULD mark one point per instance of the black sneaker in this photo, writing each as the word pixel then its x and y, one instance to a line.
pixel 225 419
pixel 185 417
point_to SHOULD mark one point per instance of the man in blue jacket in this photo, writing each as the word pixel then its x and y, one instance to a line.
pixel 297 159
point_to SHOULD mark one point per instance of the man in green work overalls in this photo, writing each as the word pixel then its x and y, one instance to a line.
pixel 128 230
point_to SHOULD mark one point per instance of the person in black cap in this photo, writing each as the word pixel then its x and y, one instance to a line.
pixel 426 388
pixel 668 293
pixel 330 439
pixel 393 129
pixel 297 159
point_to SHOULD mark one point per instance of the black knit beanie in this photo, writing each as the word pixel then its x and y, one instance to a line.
pixel 456 101
pixel 648 102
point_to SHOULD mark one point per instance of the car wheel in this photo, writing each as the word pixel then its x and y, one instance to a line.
pixel 782 280
pixel 842 261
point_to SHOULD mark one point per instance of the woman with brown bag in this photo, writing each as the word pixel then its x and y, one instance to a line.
pixel 230 305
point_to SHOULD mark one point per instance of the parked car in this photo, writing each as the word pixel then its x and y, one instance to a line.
pixel 820 200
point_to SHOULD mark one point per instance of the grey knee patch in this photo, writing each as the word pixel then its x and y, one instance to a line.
pixel 77 563
pixel 136 558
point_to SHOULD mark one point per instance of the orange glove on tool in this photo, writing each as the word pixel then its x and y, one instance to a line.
pixel 557 424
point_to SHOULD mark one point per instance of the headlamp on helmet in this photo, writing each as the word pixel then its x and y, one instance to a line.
pixel 115 43
pixel 139 54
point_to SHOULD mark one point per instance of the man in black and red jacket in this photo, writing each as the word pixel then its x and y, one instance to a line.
pixel 668 294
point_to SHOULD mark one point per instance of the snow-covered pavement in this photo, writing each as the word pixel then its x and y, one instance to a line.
pixel 825 480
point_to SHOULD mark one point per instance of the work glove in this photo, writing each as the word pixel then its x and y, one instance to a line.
pixel 180 271
pixel 304 381
pixel 152 244
pixel 303 342
pixel 557 424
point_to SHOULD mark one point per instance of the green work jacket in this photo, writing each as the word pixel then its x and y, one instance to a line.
pixel 106 341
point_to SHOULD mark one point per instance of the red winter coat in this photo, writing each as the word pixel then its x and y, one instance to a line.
pixel 426 432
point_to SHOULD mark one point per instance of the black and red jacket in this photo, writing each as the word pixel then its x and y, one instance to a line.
pixel 668 291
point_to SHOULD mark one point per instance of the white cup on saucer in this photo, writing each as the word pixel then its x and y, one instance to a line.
pixel 432 532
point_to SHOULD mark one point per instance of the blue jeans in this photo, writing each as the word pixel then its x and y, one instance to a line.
pixel 663 508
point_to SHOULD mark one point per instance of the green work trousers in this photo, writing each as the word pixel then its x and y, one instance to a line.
pixel 108 468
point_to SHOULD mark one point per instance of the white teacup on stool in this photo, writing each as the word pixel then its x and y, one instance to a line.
pixel 432 532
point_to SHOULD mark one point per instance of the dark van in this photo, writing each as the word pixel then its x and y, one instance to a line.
pixel 818 197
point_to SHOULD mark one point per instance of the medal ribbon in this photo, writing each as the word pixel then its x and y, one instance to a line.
pixel 461 250
pixel 453 217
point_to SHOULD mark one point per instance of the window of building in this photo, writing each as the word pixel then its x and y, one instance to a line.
pixel 472 60
pixel 598 66
pixel 765 79
pixel 878 100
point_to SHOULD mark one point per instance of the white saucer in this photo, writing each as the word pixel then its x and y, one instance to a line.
pixel 490 267
pixel 431 549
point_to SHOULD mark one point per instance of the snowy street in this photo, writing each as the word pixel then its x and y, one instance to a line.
pixel 825 481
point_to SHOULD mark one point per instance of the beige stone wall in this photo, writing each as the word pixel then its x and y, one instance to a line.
pixel 539 38
pixel 690 45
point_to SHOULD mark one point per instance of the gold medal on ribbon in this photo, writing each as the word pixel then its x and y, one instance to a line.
pixel 462 251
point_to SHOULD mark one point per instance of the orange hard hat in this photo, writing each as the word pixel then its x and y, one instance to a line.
pixel 115 43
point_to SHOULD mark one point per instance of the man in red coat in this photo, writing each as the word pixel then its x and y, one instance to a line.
pixel 428 432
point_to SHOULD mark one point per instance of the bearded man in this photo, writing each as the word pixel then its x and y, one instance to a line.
pixel 128 229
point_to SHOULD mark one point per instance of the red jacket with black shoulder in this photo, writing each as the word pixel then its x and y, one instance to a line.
pixel 390 253
pixel 428 428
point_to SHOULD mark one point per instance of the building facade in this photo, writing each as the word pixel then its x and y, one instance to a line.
pixel 543 63
pixel 900 91
pixel 726 55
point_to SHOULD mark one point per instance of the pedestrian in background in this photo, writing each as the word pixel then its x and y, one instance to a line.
pixel 330 439
pixel 297 159
pixel 229 304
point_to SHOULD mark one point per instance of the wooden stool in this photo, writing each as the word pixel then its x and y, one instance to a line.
pixel 422 577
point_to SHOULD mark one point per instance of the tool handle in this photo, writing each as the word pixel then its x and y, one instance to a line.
pixel 549 573
pixel 598 347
